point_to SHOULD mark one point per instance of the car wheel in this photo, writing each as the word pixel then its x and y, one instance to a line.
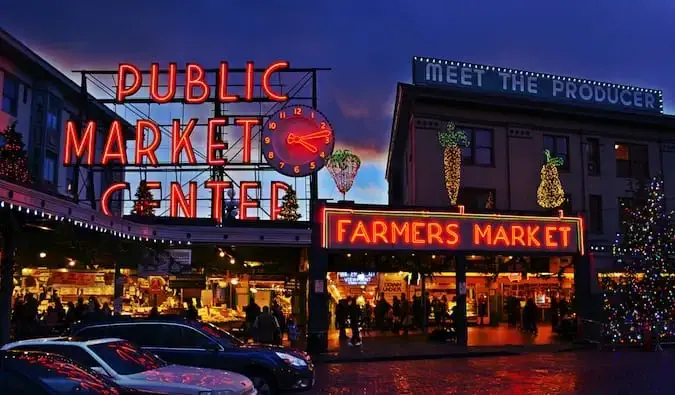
pixel 263 384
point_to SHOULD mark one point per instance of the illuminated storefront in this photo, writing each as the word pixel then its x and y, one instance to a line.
pixel 374 250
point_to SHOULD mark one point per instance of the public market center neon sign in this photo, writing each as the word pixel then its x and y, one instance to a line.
pixel 80 141
pixel 357 229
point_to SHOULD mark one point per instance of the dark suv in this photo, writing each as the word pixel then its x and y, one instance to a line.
pixel 194 343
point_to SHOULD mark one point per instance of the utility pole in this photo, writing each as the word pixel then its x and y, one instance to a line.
pixel 9 228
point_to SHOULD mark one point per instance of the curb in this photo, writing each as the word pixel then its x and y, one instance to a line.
pixel 399 358
pixel 326 359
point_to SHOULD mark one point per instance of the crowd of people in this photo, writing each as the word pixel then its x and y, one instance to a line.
pixel 400 316
pixel 28 322
pixel 267 325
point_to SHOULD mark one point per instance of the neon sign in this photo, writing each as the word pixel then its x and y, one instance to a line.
pixel 80 140
pixel 355 278
pixel 350 229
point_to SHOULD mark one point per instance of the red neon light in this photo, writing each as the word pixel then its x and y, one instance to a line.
pixel 105 198
pixel 266 84
pixel 187 204
pixel 85 145
pixel 223 74
pixel 244 202
pixel 249 85
pixel 377 229
pixel 181 141
pixel 211 144
pixel 248 124
pixel 149 151
pixel 217 188
pixel 194 78
pixel 122 90
pixel 274 201
pixel 114 138
pixel 171 83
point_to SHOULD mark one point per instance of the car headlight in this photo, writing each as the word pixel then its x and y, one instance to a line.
pixel 292 360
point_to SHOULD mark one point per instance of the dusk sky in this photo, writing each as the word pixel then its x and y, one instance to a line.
pixel 368 44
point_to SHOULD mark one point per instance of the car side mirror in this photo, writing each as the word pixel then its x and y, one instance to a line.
pixel 100 371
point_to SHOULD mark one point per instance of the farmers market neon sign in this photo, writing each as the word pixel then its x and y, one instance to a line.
pixel 80 140
pixel 355 229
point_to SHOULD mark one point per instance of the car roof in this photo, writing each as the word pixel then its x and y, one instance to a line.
pixel 59 341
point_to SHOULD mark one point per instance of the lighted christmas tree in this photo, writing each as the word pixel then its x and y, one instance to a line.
pixel 550 193
pixel 452 140
pixel 640 303
pixel 144 205
pixel 13 157
pixel 289 206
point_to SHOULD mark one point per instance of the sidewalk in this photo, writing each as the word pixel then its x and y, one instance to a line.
pixel 487 341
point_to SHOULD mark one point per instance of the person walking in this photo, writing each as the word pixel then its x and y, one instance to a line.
pixel 266 327
pixel 381 309
pixel 406 315
pixel 252 311
pixel 354 321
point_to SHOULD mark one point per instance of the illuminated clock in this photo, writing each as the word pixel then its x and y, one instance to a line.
pixel 297 140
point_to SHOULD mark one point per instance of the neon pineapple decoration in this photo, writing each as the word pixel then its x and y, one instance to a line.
pixel 343 166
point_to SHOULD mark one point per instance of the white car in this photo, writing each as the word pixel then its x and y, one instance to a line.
pixel 131 367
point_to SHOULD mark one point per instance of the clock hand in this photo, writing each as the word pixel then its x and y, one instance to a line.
pixel 294 139
pixel 316 135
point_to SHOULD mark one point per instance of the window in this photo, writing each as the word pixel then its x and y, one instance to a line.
pixel 54 120
pixel 10 95
pixel 477 198
pixel 49 169
pixel 595 213
pixel 75 353
pixel 480 149
pixel 593 156
pixel 176 336
pixel 566 206
pixel 632 160
pixel 125 358
pixel 69 378
pixel 559 147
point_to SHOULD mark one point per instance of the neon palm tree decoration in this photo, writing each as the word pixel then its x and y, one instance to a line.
pixel 452 140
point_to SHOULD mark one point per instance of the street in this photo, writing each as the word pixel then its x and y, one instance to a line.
pixel 630 372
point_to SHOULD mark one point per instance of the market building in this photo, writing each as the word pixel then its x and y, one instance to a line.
pixel 251 239
pixel 607 138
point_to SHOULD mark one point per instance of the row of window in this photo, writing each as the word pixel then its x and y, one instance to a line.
pixel 632 160
pixel 484 199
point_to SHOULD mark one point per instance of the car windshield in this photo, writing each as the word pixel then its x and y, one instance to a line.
pixel 62 375
pixel 223 335
pixel 125 358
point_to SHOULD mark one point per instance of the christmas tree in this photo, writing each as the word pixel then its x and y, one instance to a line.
pixel 640 302
pixel 145 203
pixel 13 158
pixel 550 193
pixel 289 206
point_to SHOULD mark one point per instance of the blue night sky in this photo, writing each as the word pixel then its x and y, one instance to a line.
pixel 368 44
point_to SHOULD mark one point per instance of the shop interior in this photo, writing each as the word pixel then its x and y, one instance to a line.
pixel 496 287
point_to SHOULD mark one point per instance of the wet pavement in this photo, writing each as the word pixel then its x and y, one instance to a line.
pixel 589 372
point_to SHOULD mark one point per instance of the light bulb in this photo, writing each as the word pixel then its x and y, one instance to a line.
pixel 43 254
pixel 232 261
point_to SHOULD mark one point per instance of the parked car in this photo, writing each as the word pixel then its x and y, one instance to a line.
pixel 40 373
pixel 132 367
pixel 195 343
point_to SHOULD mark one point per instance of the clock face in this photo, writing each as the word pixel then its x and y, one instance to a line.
pixel 297 140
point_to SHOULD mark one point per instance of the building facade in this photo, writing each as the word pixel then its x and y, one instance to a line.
pixel 605 153
pixel 40 99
